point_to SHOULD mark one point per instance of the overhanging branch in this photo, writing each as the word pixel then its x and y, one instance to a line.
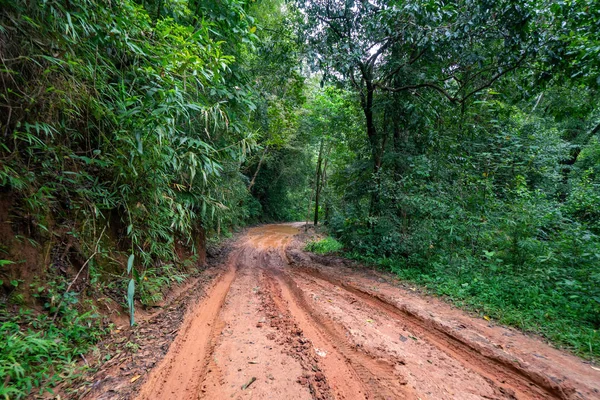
pixel 419 86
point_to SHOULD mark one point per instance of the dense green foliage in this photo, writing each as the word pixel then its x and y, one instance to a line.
pixel 474 170
pixel 45 353
pixel 453 143
pixel 483 222
pixel 126 128
pixel 324 246
pixel 116 108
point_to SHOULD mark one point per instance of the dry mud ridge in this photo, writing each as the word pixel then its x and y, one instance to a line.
pixel 278 323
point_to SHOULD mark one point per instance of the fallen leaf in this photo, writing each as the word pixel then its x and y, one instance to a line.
pixel 370 321
pixel 486 317
pixel 596 368
pixel 135 378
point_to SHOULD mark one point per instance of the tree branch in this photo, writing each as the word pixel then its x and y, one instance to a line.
pixel 418 86
pixel 78 273
pixel 495 78
pixel 337 32
pixel 397 69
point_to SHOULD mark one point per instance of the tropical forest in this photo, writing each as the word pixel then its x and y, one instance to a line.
pixel 299 199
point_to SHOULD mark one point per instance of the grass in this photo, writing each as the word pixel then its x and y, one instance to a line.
pixel 36 352
pixel 325 246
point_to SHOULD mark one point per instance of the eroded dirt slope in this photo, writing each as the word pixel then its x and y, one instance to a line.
pixel 280 324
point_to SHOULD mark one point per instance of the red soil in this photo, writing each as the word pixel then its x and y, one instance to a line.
pixel 279 325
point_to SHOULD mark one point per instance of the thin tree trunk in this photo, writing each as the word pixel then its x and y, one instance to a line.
pixel 312 192
pixel 374 139
pixel 323 185
pixel 318 182
pixel 159 9
pixel 258 168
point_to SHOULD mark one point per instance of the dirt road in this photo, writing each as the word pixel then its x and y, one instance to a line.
pixel 281 324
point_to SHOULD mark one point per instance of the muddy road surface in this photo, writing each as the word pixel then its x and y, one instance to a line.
pixel 279 323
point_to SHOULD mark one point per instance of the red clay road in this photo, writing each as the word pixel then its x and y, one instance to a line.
pixel 282 324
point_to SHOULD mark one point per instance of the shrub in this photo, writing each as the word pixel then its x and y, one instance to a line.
pixel 324 246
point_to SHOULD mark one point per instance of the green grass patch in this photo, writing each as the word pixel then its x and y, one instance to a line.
pixel 36 353
pixel 325 246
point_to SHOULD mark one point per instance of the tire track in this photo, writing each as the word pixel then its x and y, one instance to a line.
pixel 378 377
pixel 298 346
pixel 505 374
pixel 180 373
pixel 257 323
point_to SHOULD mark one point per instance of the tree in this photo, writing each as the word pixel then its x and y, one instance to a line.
pixel 328 118
pixel 382 47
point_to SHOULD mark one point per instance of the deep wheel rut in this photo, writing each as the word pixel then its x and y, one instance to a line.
pixel 501 372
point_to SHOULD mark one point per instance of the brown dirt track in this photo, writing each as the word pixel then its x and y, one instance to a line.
pixel 279 323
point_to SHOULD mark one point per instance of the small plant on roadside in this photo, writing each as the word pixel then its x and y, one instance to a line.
pixel 36 351
pixel 324 246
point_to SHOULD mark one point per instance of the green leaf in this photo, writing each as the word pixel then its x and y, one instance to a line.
pixel 5 262
pixel 140 147
pixel 130 300
pixel 130 263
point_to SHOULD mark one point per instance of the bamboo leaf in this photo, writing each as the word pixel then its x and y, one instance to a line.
pixel 130 263
pixel 130 300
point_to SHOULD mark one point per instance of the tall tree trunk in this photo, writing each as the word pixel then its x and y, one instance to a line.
pixel 318 182
pixel 312 192
pixel 366 100
pixel 258 168
pixel 372 133
pixel 324 184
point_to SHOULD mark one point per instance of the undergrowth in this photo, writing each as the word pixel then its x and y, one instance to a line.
pixel 324 246
pixel 37 352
